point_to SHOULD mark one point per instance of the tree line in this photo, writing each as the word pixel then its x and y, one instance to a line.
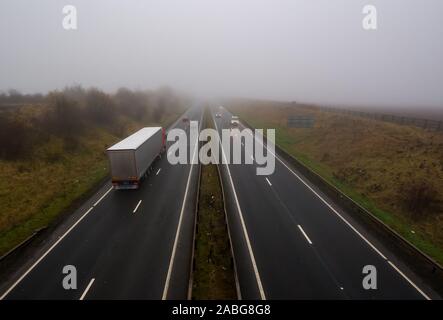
pixel 69 113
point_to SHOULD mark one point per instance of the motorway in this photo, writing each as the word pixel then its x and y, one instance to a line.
pixel 124 244
pixel 291 242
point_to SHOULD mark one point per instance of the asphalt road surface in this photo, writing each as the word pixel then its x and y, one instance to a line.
pixel 124 244
pixel 291 242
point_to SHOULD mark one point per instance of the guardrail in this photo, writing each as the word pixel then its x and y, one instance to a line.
pixel 23 243
pixel 427 124
pixel 423 265
pixel 72 208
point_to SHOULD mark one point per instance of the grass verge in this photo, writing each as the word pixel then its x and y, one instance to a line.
pixel 213 277
pixel 370 161
pixel 35 191
pixel 213 271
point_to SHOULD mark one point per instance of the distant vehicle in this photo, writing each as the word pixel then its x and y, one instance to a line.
pixel 234 121
pixel 185 119
pixel 131 158
pixel 218 115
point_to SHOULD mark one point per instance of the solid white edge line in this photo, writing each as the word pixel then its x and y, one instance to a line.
pixel 158 171
pixel 409 280
pixel 54 245
pixel 245 231
pixel 343 219
pixel 325 202
pixel 45 254
pixel 87 289
pixel 304 233
pixel 269 182
pixel 98 201
pixel 136 207
pixel 177 234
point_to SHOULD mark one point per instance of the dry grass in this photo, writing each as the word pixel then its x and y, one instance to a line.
pixel 213 276
pixel 33 192
pixel 395 171
pixel 36 189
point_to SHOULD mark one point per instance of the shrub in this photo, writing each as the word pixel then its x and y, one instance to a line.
pixel 419 198
pixel 133 104
pixel 14 139
pixel 100 108
pixel 64 117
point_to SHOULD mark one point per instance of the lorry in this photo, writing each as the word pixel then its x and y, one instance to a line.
pixel 131 158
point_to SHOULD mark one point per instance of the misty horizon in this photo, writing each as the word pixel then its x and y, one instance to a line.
pixel 284 51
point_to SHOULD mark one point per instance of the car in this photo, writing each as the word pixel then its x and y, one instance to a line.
pixel 185 119
pixel 218 115
pixel 234 121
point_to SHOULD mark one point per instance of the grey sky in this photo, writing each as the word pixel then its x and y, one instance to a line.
pixel 305 50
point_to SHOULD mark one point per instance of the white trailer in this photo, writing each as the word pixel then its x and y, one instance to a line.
pixel 131 158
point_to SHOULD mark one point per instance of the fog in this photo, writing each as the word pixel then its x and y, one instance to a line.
pixel 310 51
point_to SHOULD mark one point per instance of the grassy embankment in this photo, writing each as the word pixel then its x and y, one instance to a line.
pixel 394 171
pixel 36 189
pixel 213 271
